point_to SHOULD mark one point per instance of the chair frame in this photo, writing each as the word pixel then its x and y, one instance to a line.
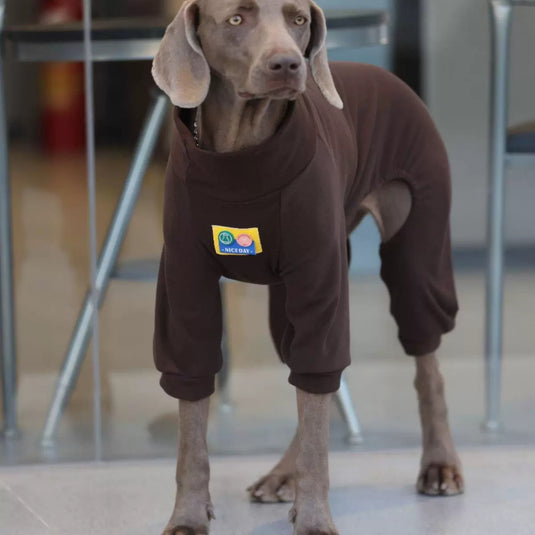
pixel 7 326
pixel 500 12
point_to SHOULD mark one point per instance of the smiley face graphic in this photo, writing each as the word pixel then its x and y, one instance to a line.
pixel 244 240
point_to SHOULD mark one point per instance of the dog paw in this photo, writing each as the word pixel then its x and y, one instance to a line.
pixel 292 515
pixel 190 522
pixel 312 521
pixel 182 529
pixel 315 531
pixel 185 530
pixel 440 480
pixel 273 488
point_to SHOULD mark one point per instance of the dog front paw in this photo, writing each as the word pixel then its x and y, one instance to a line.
pixel 191 519
pixel 440 480
pixel 185 530
pixel 312 518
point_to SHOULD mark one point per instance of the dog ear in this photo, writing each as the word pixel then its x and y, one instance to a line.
pixel 180 69
pixel 317 54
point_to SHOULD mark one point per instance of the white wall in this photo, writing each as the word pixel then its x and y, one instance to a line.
pixel 456 41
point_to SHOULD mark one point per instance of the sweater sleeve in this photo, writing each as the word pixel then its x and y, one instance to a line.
pixel 314 267
pixel 188 323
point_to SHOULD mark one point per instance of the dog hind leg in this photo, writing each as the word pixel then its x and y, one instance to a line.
pixel 440 467
pixel 279 484
pixel 413 256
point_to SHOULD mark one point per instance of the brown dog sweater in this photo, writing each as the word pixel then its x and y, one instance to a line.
pixel 280 213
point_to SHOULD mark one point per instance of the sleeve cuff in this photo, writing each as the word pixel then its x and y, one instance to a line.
pixel 316 383
pixel 188 388
pixel 420 348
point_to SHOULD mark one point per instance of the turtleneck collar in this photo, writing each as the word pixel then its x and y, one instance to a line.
pixel 255 171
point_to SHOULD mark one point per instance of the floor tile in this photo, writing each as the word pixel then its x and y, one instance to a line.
pixel 16 518
pixel 371 492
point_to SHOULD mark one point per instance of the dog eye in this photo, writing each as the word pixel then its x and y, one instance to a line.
pixel 236 20
pixel 300 20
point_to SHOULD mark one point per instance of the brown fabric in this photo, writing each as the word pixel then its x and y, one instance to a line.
pixel 302 188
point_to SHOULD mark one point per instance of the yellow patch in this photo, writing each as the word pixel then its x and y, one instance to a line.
pixel 229 241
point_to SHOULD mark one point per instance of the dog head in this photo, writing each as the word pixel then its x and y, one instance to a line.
pixel 259 47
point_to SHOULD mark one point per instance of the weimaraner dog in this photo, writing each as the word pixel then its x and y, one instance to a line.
pixel 241 64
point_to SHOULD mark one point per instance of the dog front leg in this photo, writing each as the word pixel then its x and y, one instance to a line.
pixel 193 506
pixel 440 470
pixel 311 513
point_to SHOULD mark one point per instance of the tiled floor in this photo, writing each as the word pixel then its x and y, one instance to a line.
pixel 371 493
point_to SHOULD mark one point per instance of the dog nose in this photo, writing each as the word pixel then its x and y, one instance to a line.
pixel 284 64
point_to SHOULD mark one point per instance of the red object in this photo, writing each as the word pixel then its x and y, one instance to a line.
pixel 62 88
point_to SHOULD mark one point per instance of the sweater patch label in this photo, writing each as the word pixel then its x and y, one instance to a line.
pixel 236 241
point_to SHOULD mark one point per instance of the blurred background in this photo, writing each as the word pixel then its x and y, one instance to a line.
pixel 442 50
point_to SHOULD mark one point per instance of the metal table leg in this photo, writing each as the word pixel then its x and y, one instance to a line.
pixel 7 324
pixel 347 409
pixel 108 257
pixel 500 19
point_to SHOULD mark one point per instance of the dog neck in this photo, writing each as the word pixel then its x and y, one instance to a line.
pixel 228 123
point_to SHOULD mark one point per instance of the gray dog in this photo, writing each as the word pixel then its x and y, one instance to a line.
pixel 276 157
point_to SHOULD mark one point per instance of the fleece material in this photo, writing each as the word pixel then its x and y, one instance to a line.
pixel 280 214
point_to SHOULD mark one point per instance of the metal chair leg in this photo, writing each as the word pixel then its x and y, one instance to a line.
pixel 347 409
pixel 7 324
pixel 500 17
pixel 110 251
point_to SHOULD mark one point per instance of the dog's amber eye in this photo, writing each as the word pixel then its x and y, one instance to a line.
pixel 236 20
pixel 300 20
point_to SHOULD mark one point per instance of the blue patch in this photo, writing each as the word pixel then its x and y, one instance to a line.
pixel 234 248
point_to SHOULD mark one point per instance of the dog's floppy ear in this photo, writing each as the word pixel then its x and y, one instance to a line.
pixel 180 69
pixel 317 54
